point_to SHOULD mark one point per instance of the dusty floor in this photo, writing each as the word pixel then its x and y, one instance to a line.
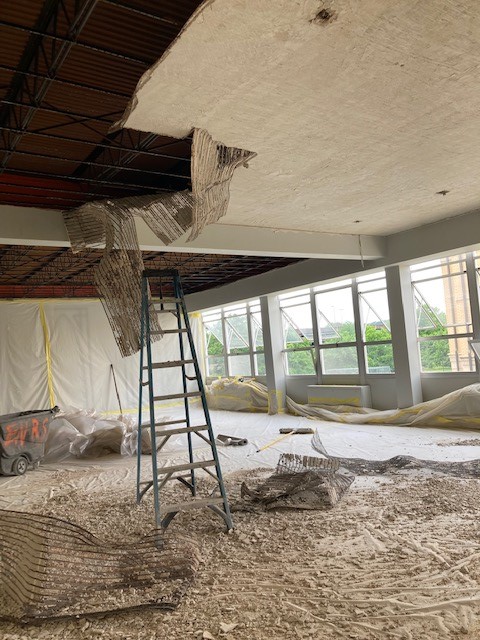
pixel 397 558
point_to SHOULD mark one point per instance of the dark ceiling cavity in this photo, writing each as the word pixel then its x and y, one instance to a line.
pixel 57 272
pixel 67 73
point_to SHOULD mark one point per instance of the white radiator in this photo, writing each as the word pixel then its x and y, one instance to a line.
pixel 355 395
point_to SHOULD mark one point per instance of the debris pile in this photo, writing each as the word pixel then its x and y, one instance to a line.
pixel 300 482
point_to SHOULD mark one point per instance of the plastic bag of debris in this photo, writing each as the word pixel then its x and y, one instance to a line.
pixel 300 482
pixel 86 434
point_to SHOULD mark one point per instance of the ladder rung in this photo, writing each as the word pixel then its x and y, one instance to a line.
pixel 191 394
pixel 163 424
pixel 187 506
pixel 167 299
pixel 185 467
pixel 171 432
pixel 170 363
pixel 160 333
pixel 174 311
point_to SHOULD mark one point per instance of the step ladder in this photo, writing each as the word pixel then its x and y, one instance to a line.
pixel 162 294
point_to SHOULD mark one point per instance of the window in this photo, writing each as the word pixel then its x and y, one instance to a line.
pixel 443 315
pixel 336 329
pixel 234 340
pixel 215 345
pixel 375 322
pixel 298 333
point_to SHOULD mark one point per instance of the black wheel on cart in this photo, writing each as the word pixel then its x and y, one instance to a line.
pixel 19 466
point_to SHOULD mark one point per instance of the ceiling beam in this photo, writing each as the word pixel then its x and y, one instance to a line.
pixel 42 227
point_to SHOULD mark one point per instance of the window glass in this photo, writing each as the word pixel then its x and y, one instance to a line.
pixel 445 355
pixel 339 361
pixel 300 362
pixel 442 306
pixel 379 358
pixel 259 362
pixel 375 315
pixel 216 366
pixel 236 329
pixel 297 326
pixel 335 316
pixel 239 365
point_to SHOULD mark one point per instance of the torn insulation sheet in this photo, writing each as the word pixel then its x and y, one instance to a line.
pixel 169 215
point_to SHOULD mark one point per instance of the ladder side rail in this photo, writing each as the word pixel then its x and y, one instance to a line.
pixel 179 306
pixel 146 307
pixel 206 411
pixel 140 400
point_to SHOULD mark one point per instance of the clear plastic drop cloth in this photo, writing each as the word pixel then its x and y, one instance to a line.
pixel 459 409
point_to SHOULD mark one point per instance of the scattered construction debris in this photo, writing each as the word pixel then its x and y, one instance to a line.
pixel 285 433
pixel 300 482
pixel 363 467
pixel 52 568
pixel 229 441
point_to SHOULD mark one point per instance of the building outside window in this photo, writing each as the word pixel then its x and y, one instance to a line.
pixel 234 340
pixel 375 322
pixel 443 315
pixel 337 337
pixel 298 338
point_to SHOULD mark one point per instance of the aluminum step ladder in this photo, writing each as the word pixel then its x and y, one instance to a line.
pixel 162 294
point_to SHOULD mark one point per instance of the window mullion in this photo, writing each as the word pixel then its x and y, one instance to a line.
pixel 362 370
pixel 225 347
pixel 474 295
pixel 250 343
pixel 316 337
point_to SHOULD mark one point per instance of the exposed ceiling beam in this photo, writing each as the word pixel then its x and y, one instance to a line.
pixel 23 225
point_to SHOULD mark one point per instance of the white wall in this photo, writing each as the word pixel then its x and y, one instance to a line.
pixel 437 385
pixel 82 349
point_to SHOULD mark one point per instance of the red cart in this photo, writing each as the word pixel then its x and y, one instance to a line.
pixel 22 440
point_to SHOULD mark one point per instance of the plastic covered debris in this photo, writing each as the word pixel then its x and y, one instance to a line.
pixel 86 434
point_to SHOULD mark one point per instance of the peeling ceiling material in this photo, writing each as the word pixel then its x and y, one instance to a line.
pixel 111 223
pixel 168 215
pixel 213 165
pixel 365 117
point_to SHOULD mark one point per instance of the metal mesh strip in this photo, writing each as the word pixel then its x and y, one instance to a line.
pixel 53 568
pixel 213 165
pixel 169 215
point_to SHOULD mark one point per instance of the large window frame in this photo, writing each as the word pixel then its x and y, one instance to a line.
pixel 292 355
pixel 463 268
pixel 362 290
pixel 255 353
pixel 319 348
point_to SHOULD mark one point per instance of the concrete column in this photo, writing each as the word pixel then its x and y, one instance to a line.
pixel 273 345
pixel 404 336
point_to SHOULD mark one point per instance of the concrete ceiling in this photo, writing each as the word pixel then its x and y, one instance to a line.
pixel 360 112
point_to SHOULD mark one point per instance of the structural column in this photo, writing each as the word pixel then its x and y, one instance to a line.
pixel 404 336
pixel 273 345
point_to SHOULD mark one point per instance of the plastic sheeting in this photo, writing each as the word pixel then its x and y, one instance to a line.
pixel 82 348
pixel 460 408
